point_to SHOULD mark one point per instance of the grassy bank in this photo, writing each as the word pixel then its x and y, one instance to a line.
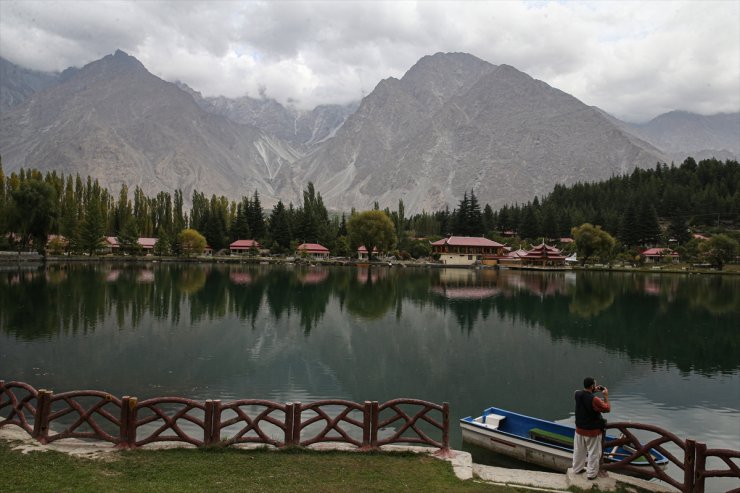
pixel 182 470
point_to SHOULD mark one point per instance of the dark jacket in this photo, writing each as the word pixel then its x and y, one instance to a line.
pixel 587 417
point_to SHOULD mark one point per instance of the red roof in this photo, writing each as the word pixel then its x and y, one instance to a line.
pixel 147 242
pixel 245 244
pixel 312 248
pixel 653 252
pixel 362 249
pixel 544 251
pixel 468 241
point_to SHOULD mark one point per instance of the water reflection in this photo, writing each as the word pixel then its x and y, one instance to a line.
pixel 687 321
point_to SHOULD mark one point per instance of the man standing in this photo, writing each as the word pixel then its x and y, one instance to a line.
pixel 589 426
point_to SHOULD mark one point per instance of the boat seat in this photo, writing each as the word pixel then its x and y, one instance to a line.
pixel 551 437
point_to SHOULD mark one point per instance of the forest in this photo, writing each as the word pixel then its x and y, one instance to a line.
pixel 648 207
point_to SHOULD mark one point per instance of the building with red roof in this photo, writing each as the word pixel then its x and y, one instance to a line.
pixel 240 247
pixel 313 250
pixel 147 244
pixel 653 255
pixel 466 250
pixel 362 252
pixel 543 255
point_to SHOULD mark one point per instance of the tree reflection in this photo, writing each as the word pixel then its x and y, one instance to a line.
pixel 688 321
pixel 372 293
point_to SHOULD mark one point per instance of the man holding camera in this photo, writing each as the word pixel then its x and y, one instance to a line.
pixel 589 427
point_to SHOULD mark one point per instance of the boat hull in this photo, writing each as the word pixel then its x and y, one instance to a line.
pixel 532 453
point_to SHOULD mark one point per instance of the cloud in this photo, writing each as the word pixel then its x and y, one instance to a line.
pixel 634 60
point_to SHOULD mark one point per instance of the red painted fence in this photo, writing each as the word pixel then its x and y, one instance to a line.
pixel 129 423
pixel 692 458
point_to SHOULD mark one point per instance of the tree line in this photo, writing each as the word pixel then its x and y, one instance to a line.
pixel 643 208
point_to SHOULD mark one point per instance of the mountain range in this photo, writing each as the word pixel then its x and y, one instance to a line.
pixel 453 123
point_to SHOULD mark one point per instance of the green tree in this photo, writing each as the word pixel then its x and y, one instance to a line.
pixel 529 225
pixel 592 241
pixel 92 228
pixel 128 238
pixel 373 229
pixel 191 242
pixel 33 212
pixel 162 246
pixel 718 250
pixel 280 228
pixel 678 230
pixel 629 232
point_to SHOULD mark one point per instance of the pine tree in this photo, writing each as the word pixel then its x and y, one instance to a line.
pixel 474 217
pixel 280 228
pixel 92 228
pixel 629 232
pixel 128 237
pixel 647 220
pixel 461 216
pixel 529 226
pixel 678 230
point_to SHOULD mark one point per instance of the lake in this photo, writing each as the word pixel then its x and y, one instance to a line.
pixel 666 345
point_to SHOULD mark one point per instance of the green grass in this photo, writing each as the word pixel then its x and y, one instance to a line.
pixel 182 470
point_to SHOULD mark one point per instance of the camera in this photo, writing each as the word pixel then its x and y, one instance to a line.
pixel 600 388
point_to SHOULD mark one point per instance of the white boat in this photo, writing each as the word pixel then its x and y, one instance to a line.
pixel 537 441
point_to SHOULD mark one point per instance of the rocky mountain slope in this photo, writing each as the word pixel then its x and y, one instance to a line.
pixel 115 121
pixel 452 123
pixel 17 83
pixel 300 128
pixel 455 123
pixel 681 134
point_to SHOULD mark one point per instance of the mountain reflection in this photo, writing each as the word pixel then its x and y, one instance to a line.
pixel 688 321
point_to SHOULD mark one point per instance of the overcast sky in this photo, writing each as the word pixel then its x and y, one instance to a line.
pixel 634 59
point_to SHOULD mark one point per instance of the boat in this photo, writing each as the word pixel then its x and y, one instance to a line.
pixel 537 441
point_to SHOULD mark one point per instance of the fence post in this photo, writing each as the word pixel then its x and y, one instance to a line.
pixel 699 467
pixel 128 421
pixel 689 465
pixel 123 429
pixel 296 434
pixel 289 424
pixel 374 424
pixel 208 423
pixel 41 420
pixel 215 435
pixel 446 426
pixel 367 423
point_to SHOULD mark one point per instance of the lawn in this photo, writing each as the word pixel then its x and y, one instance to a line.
pixel 182 470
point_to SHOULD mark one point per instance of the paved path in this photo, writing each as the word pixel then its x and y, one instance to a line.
pixel 462 463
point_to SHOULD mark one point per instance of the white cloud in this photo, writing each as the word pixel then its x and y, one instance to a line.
pixel 633 59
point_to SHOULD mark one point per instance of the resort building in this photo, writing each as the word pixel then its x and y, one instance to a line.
pixel 241 247
pixel 544 256
pixel 362 252
pixel 655 255
pixel 466 250
pixel 147 244
pixel 313 250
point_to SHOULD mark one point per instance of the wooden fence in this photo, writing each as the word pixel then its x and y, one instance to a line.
pixel 129 423
pixel 692 458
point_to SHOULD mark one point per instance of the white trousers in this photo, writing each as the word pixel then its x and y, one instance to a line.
pixel 587 453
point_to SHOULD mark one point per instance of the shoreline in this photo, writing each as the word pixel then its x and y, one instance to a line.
pixel 26 259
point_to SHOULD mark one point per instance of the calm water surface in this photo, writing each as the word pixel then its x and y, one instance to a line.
pixel 667 346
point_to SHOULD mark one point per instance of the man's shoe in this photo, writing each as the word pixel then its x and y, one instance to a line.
pixel 592 478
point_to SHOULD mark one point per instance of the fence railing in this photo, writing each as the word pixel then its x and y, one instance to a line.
pixel 129 423
pixel 692 458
